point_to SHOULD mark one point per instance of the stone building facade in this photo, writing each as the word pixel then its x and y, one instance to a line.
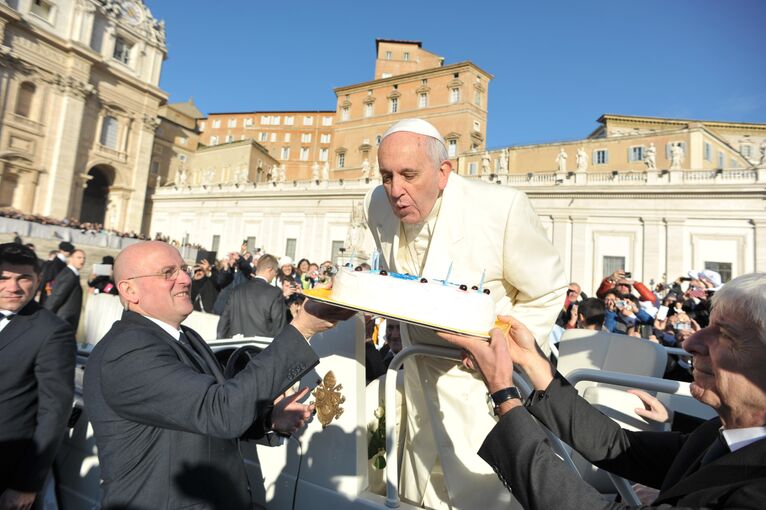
pixel 78 107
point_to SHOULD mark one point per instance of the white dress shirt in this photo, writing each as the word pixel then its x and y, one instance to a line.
pixel 5 320
pixel 175 333
pixel 739 438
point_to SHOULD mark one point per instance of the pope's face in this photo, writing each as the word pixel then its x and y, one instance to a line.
pixel 410 178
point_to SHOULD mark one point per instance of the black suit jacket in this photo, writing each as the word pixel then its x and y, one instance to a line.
pixel 66 298
pixel 49 271
pixel 669 461
pixel 254 308
pixel 37 358
pixel 166 422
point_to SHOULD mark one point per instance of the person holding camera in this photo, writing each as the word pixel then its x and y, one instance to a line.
pixel 255 308
pixel 622 282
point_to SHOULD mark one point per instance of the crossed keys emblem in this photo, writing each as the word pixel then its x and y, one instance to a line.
pixel 328 399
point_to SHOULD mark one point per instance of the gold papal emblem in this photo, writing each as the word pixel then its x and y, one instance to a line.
pixel 328 399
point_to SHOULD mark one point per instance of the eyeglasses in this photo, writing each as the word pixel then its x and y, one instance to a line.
pixel 169 273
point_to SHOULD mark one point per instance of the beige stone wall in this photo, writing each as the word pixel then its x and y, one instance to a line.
pixel 402 57
pixel 48 150
pixel 274 137
pixel 463 121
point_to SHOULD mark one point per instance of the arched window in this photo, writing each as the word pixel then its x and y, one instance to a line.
pixel 109 132
pixel 25 98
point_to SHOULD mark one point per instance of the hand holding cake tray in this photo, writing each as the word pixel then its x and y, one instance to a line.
pixel 436 304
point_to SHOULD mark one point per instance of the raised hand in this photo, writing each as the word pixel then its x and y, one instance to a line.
pixel 289 415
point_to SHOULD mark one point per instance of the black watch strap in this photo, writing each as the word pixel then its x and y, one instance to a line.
pixel 504 395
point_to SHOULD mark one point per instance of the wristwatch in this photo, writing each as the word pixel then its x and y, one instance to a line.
pixel 501 396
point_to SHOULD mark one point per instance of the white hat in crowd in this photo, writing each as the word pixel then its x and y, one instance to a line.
pixel 285 261
pixel 709 275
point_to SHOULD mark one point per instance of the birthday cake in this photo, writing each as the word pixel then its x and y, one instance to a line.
pixel 441 304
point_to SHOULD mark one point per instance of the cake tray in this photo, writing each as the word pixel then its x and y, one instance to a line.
pixel 324 296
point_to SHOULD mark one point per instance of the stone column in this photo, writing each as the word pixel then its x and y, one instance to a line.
pixel 581 265
pixel 759 225
pixel 676 247
pixel 653 262
pixel 65 140
pixel 141 152
pixel 560 241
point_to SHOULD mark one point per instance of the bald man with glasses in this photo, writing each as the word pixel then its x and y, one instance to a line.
pixel 166 421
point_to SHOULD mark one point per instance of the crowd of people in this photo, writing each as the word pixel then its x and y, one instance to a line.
pixel 86 227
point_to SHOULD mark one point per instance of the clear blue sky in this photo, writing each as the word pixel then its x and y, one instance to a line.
pixel 558 65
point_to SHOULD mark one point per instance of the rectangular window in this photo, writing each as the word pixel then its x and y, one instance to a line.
pixel 290 247
pixel 323 153
pixel 306 138
pixel 273 137
pixel 304 153
pixel 201 126
pixel 213 140
pixel 41 9
pixel 216 243
pixel 216 123
pixel 452 148
pixel 722 268
pixel 636 153
pixel 122 50
pixel 612 264
pixel 229 138
pixel 422 100
pixel 454 95
pixel 393 105
pixel 388 55
pixel 327 121
pixel 109 128
pixel 472 168
pixel 308 120
pixel 263 137
pixel 369 110
pixel 335 250
pixel 477 126
pixel 601 156
pixel 745 150
pixel 324 138
pixel 477 98
pixel 344 113
pixel 406 55
pixel 708 152
pixel 232 123
pixel 285 153
pixel 287 137
pixel 155 168
pixel 275 120
pixel 249 122
pixel 341 160
pixel 721 160
pixel 289 120
pixel 265 120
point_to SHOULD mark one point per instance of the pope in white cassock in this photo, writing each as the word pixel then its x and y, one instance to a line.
pixel 424 218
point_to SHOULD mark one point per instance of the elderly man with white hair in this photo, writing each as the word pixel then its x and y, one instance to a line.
pixel 721 464
pixel 427 220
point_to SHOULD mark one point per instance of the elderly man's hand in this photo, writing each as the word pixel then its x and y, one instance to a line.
pixel 653 409
pixel 315 317
pixel 289 415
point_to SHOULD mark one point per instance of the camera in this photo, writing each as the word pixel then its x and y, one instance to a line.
pixel 628 274
pixel 330 271
pixel 620 304
pixel 682 325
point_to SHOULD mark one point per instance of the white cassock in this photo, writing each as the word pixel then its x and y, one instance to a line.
pixel 475 227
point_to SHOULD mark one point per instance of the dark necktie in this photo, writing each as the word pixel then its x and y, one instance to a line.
pixel 9 316
pixel 716 450
pixel 185 342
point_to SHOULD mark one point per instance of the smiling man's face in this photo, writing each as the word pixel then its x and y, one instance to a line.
pixel 728 368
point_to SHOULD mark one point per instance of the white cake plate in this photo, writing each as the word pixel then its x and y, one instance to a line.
pixel 324 296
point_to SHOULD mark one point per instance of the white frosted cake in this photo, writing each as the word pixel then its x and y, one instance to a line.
pixel 444 305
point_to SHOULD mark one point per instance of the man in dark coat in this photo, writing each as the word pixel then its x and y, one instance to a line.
pixel 255 308
pixel 53 267
pixel 66 298
pixel 721 464
pixel 166 422
pixel 37 358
